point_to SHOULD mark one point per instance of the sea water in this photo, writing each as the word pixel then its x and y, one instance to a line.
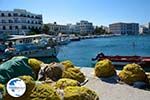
pixel 81 52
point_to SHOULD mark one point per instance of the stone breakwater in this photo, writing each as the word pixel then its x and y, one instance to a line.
pixel 109 90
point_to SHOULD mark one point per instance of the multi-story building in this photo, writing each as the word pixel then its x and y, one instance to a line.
pixel 19 21
pixel 143 29
pixel 85 27
pixel 56 28
pixel 73 28
pixel 124 28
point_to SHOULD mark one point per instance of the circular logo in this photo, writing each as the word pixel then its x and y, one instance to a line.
pixel 16 87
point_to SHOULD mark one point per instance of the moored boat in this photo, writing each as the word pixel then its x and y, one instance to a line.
pixel 122 60
pixel 62 39
pixel 31 46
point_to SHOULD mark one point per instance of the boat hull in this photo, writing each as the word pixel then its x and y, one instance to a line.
pixel 123 60
pixel 37 53
pixel 49 52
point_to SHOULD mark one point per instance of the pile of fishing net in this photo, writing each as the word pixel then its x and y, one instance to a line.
pixel 74 73
pixel 55 71
pixel 35 65
pixel 44 91
pixel 1 87
pixel 79 93
pixel 148 76
pixel 67 64
pixel 65 79
pixel 133 73
pixel 65 82
pixel 71 90
pixel 104 68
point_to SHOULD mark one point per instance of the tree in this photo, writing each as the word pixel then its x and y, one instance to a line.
pixel 45 29
pixel 34 31
pixel 100 30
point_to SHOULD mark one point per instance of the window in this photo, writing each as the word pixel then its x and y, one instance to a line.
pixel 2 14
pixel 24 27
pixel 16 27
pixel 28 21
pixel 16 21
pixel 15 14
pixel 10 27
pixel 4 28
pixel 21 15
pixel 20 41
pixel 3 21
pixel 40 22
pixel 9 14
pixel 10 21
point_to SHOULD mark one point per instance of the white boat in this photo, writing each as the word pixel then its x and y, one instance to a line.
pixel 32 46
pixel 63 39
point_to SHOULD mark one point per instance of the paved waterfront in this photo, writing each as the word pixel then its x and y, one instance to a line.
pixel 113 91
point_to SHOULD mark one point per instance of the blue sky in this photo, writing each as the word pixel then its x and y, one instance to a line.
pixel 100 12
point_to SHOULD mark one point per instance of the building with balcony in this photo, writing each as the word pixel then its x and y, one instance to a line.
pixel 19 21
pixel 85 27
pixel 124 28
pixel 57 28
pixel 73 29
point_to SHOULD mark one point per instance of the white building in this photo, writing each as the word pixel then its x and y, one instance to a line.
pixel 85 27
pixel 56 28
pixel 144 29
pixel 73 28
pixel 105 28
pixel 19 21
pixel 124 28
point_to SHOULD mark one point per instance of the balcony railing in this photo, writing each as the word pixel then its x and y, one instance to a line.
pixel 20 22
pixel 25 16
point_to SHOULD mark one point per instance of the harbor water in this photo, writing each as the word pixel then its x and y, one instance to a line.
pixel 81 52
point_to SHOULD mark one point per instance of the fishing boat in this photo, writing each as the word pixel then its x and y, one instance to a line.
pixel 123 60
pixel 41 45
pixel 63 39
